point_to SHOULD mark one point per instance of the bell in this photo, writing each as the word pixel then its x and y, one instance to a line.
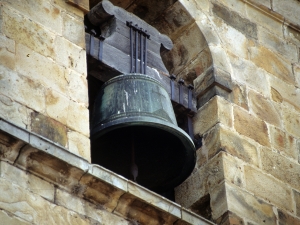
pixel 135 134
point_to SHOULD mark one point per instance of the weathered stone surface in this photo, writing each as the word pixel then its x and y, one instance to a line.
pixel 20 89
pixel 33 35
pixel 41 69
pixel 222 139
pixel 291 34
pixel 78 90
pixel 70 55
pixel 283 142
pixel 27 181
pixel 250 126
pixel 239 95
pixel 288 9
pixel 73 30
pixel 79 144
pixel 297 201
pixel 32 207
pixel 272 63
pixel 220 168
pixel 273 42
pixel 7 43
pixel 57 106
pixel 264 18
pixel 185 49
pixel 82 207
pixel 285 218
pixel 246 73
pixel 9 146
pixel 14 112
pixel 229 218
pixel 264 109
pixel 235 20
pixel 40 11
pixel 280 167
pixel 243 203
pixel 78 118
pixel 7 59
pixel 268 188
pixel 217 110
pixel 282 91
pixel 5 218
pixel 49 128
pixel 81 4
pixel 64 6
pixel 296 69
pixel 291 120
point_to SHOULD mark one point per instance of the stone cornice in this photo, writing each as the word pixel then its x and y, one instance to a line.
pixel 94 183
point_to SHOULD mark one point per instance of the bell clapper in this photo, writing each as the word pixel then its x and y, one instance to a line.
pixel 134 168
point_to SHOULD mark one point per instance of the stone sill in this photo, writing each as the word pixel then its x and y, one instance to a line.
pixel 92 182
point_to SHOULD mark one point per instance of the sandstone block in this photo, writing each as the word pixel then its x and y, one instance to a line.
pixel 64 6
pixel 264 19
pixel 14 112
pixel 230 218
pixel 78 88
pixel 266 3
pixel 280 167
pixel 33 208
pixel 78 118
pixel 272 63
pixel 296 69
pixel 246 73
pixel 239 95
pixel 5 218
pixel 7 59
pixel 41 69
pixel 84 208
pixel 242 203
pixel 250 126
pixel 49 128
pixel 287 50
pixel 297 201
pixel 291 120
pixel 70 55
pixel 289 9
pixel 33 35
pixel 20 89
pixel 79 144
pixel 283 142
pixel 185 49
pixel 282 91
pixel 57 106
pixel 264 109
pixel 7 43
pixel 268 188
pixel 285 218
pixel 40 11
pixel 291 34
pixel 26 180
pixel 73 29
pixel 217 110
pixel 222 139
pixel 235 20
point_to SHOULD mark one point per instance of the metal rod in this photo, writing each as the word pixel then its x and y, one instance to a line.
pixel 141 51
pixel 145 52
pixel 92 35
pixel 131 46
pixel 136 48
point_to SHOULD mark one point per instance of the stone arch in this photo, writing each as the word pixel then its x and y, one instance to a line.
pixel 197 55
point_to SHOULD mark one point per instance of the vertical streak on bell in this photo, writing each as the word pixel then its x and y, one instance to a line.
pixel 134 168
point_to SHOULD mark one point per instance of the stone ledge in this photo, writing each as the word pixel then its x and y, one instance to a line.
pixel 91 182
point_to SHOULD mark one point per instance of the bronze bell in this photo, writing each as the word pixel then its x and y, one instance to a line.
pixel 135 134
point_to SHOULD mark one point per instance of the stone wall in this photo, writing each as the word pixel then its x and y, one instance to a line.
pixel 43 84
pixel 248 168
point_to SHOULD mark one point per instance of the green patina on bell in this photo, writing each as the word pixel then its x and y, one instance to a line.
pixel 135 133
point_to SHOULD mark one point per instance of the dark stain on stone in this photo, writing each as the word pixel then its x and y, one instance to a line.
pixel 7 140
pixel 49 128
pixel 202 207
pixel 235 20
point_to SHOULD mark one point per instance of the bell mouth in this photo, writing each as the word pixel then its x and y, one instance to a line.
pixel 136 109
